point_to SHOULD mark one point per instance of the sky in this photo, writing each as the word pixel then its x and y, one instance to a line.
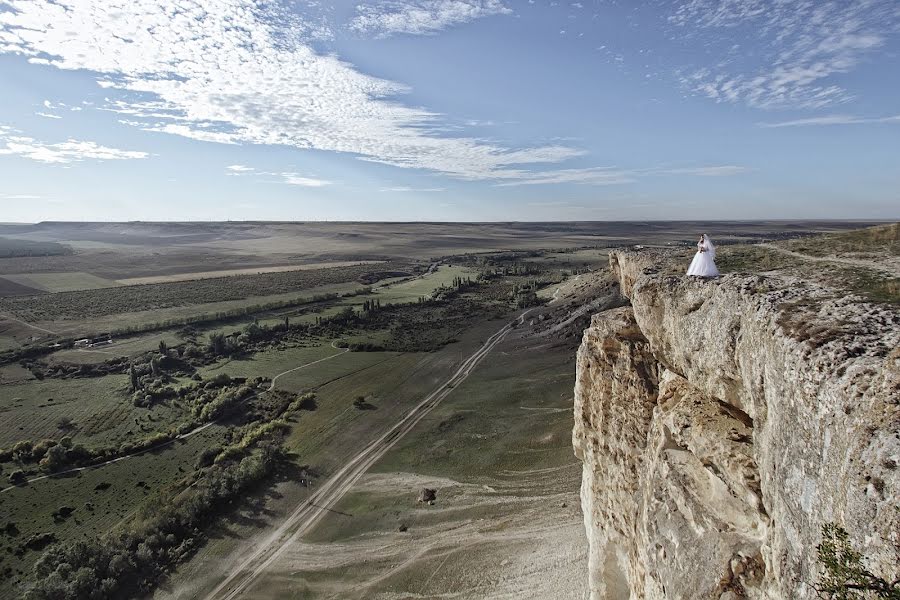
pixel 449 110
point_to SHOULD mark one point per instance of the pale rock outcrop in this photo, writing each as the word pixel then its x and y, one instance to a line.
pixel 722 422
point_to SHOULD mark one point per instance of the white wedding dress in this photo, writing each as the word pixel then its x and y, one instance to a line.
pixel 704 263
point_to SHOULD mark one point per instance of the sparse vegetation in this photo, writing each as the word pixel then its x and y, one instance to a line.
pixel 844 574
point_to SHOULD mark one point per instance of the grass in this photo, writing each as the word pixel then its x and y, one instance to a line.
pixel 100 407
pixel 123 488
pixel 484 449
pixel 527 420
pixel 732 259
pixel 61 282
pixel 272 362
pixel 411 291
pixel 882 239
pixel 868 283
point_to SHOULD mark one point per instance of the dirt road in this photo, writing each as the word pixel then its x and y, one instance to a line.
pixel 306 515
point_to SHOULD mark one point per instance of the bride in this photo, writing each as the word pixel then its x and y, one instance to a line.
pixel 704 263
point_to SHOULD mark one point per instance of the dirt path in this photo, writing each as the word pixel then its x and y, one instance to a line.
pixel 180 436
pixel 853 262
pixel 307 514
pixel 26 324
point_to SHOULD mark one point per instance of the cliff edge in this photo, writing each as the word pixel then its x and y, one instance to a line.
pixel 721 423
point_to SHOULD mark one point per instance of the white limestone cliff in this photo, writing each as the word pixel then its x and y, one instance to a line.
pixel 721 423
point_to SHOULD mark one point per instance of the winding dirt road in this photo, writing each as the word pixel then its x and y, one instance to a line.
pixel 307 514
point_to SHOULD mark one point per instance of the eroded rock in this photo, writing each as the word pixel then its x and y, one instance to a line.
pixel 721 423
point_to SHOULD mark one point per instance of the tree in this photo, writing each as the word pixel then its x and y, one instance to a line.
pixel 55 459
pixel 163 348
pixel 845 577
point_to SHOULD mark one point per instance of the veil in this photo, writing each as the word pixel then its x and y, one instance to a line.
pixel 710 248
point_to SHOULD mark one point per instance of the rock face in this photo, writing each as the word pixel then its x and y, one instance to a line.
pixel 721 423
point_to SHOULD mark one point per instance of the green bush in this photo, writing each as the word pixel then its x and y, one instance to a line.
pixel 844 576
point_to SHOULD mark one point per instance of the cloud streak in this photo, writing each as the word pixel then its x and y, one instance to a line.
pixel 231 72
pixel 422 17
pixel 14 144
pixel 287 177
pixel 834 120
pixel 616 176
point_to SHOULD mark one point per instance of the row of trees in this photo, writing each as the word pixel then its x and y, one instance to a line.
pixel 131 564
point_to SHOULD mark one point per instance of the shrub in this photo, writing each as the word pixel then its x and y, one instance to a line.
pixel 844 576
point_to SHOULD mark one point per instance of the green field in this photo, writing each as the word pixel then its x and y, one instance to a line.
pixel 102 499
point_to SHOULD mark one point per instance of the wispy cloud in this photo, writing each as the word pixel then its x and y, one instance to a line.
pixel 295 179
pixel 234 71
pixel 21 197
pixel 287 177
pixel 806 45
pixel 716 171
pixel 421 17
pixel 834 120
pixel 617 176
pixel 48 115
pixel 14 144
pixel 588 176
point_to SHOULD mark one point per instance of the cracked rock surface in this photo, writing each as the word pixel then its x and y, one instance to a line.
pixel 722 422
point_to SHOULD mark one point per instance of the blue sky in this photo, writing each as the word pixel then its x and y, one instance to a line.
pixel 449 109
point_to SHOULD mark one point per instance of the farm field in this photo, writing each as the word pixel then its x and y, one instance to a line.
pixel 247 271
pixel 61 282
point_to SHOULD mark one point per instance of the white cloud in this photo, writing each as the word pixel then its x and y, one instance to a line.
pixel 289 178
pixel 295 179
pixel 232 72
pixel 805 46
pixel 47 115
pixel 833 120
pixel 21 197
pixel 13 144
pixel 421 17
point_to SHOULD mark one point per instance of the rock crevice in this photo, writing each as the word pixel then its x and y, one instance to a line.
pixel 721 423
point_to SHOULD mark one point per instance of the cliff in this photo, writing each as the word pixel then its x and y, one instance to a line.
pixel 721 423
